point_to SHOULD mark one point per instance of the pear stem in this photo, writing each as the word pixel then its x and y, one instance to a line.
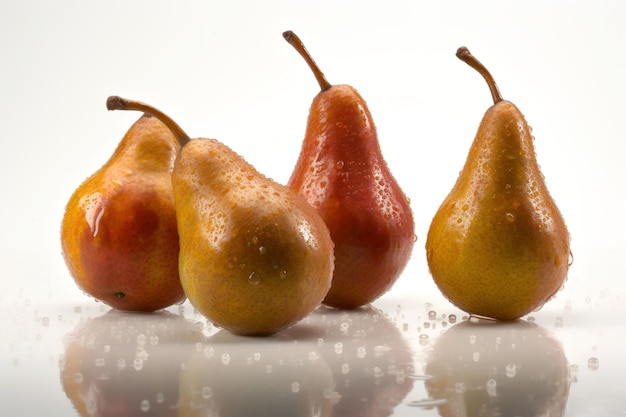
pixel 119 103
pixel 466 56
pixel 295 41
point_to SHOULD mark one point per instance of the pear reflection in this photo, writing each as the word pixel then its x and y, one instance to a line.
pixel 127 364
pixel 370 361
pixel 487 368
pixel 233 376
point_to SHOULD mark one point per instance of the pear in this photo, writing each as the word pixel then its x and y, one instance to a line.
pixel 255 258
pixel 498 245
pixel 119 234
pixel 342 173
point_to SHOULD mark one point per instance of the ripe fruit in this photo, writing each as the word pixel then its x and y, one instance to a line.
pixel 498 245
pixel 342 173
pixel 119 235
pixel 255 258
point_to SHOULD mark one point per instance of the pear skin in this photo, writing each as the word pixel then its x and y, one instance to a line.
pixel 341 171
pixel 119 233
pixel 498 245
pixel 255 258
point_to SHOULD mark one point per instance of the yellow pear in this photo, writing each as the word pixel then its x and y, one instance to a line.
pixel 255 258
pixel 498 245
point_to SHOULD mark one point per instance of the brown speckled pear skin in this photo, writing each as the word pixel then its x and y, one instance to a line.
pixel 341 172
pixel 498 245
pixel 119 234
pixel 255 258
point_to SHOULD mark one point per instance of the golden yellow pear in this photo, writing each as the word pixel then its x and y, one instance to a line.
pixel 255 258
pixel 498 245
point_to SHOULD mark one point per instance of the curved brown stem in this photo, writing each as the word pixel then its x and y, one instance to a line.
pixel 295 41
pixel 466 56
pixel 119 103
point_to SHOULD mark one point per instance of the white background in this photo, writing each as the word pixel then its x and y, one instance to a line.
pixel 223 70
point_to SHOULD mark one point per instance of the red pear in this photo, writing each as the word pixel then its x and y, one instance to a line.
pixel 342 173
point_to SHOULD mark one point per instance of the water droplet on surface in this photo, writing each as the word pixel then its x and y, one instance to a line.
pixel 225 358
pixel 262 250
pixel 206 392
pixel 381 349
pixel 511 370
pixel 254 278
pixel 452 318
pixel 558 261
pixel 345 368
pixel 99 362
pixel 120 295
pixel 491 387
pixel 145 406
pixel 295 387
pixel 339 164
pixel 160 398
pixel 432 315
pixel 510 217
pixel 138 364
pixel 361 352
pixel 593 364
pixel 121 364
pixel 332 395
pixel 78 378
pixel 45 321
pixel 476 356
pixel 427 403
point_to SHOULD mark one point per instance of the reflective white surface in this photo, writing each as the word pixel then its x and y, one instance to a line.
pixel 222 70
pixel 410 353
